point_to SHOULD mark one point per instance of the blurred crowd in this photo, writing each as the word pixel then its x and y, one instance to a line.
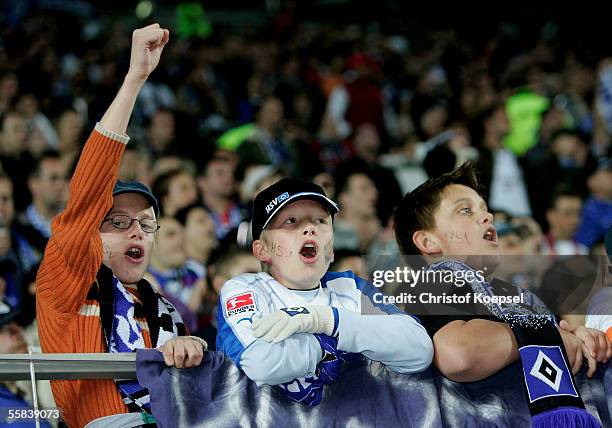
pixel 366 114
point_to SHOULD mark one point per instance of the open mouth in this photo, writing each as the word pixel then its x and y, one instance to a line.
pixel 490 235
pixel 309 252
pixel 135 253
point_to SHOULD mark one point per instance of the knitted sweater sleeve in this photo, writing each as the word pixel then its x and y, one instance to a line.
pixel 74 252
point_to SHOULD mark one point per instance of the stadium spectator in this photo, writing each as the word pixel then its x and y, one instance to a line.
pixel 180 280
pixel 357 224
pixel 447 223
pixel 161 133
pixel 218 188
pixel 293 240
pixel 94 262
pixel 366 144
pixel 18 259
pixel 136 166
pixel 48 186
pixel 360 99
pixel 16 161
pixel 498 167
pixel 200 237
pixel 175 189
pixel 597 211
pixel 70 132
pixel 563 216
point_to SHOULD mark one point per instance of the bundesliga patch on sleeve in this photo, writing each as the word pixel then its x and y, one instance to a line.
pixel 239 304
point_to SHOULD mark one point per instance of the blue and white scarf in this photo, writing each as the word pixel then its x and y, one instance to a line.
pixel 122 332
pixel 309 391
pixel 552 396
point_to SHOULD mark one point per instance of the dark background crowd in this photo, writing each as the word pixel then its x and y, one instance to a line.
pixel 366 100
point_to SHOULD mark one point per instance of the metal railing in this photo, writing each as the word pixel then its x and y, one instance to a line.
pixel 67 366
pixel 36 366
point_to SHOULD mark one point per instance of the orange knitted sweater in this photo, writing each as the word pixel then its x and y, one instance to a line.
pixel 67 321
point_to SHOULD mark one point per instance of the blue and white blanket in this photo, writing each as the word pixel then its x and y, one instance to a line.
pixel 217 394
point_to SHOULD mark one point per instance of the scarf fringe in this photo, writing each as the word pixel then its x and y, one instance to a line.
pixel 571 417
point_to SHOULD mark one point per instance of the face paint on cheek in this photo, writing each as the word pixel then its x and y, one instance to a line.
pixel 455 236
pixel 328 250
pixel 108 254
pixel 277 250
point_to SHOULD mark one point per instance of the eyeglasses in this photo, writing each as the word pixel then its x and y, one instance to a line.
pixel 122 221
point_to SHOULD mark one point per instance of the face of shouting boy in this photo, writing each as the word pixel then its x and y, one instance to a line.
pixel 297 244
pixel 463 226
pixel 127 252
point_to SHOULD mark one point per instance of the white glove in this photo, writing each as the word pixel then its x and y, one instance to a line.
pixel 281 324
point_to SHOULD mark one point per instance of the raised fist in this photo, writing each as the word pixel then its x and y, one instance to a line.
pixel 147 46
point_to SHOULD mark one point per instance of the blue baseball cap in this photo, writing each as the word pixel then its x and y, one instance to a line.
pixel 272 199
pixel 137 187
